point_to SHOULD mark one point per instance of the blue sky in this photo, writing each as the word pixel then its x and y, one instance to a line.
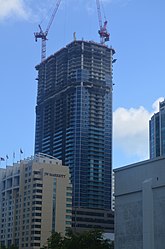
pixel 137 34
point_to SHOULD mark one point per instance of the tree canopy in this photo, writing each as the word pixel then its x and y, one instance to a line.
pixel 87 240
pixel 10 247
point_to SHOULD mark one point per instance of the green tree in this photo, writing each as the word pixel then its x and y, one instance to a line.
pixel 10 247
pixel 87 240
pixel 54 242
pixel 3 247
pixel 13 247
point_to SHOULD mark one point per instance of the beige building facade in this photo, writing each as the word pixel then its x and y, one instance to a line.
pixel 35 199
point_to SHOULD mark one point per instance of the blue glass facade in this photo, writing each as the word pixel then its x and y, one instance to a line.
pixel 157 132
pixel 74 118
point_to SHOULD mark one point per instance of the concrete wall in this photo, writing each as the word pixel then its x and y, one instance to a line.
pixel 140 205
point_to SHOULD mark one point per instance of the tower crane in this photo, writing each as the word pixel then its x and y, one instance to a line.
pixel 104 35
pixel 43 34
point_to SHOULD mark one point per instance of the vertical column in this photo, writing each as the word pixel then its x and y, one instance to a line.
pixel 148 223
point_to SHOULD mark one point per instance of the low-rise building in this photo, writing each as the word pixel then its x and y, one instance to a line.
pixel 140 205
pixel 90 219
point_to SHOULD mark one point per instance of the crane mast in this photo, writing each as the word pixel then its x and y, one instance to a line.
pixel 104 35
pixel 43 34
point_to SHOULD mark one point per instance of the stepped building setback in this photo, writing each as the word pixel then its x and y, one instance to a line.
pixel 74 124
pixel 35 199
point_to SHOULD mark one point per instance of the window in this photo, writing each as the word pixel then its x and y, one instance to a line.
pixel 36 214
pixel 36 220
pixel 36 226
pixel 37 202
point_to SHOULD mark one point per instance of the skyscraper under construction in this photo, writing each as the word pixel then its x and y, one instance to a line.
pixel 74 124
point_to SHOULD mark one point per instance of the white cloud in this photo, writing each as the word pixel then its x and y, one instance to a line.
pixel 131 129
pixel 35 10
pixel 30 10
pixel 12 8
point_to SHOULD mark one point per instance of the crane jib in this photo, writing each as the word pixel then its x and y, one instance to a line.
pixel 43 35
pixel 104 35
